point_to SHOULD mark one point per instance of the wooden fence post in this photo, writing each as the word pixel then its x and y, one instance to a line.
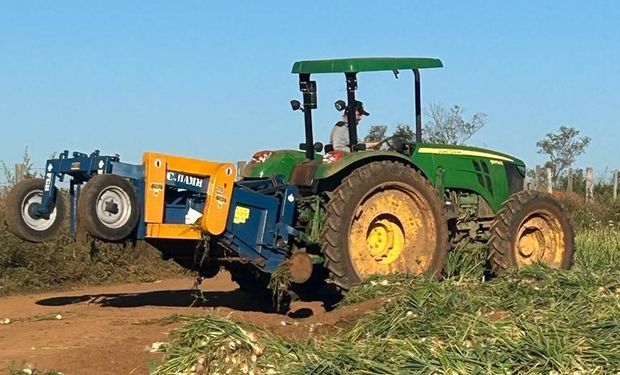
pixel 537 175
pixel 589 184
pixel 20 172
pixel 615 184
pixel 240 166
pixel 549 181
pixel 569 187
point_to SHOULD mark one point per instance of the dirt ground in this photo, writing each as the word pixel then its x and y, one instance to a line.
pixel 109 329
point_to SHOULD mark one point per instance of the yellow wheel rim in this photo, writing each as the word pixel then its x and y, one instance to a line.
pixel 392 231
pixel 385 241
pixel 540 238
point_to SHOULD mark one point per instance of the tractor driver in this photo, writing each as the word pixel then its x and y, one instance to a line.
pixel 339 137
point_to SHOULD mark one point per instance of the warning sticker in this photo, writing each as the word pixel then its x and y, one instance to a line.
pixel 241 215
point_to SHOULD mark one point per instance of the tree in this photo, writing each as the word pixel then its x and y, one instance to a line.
pixel 404 132
pixel 562 148
pixel 447 126
pixel 376 133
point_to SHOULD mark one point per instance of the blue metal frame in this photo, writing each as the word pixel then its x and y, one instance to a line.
pixel 81 168
pixel 262 239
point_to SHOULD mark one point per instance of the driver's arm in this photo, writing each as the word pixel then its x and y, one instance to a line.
pixel 372 145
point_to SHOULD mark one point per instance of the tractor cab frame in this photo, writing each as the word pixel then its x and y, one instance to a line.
pixel 351 67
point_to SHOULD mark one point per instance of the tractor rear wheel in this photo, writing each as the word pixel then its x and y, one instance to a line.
pixel 21 216
pixel 383 218
pixel 531 227
pixel 108 207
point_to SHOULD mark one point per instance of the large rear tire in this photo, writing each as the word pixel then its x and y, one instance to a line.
pixel 531 227
pixel 383 218
pixel 21 200
pixel 108 207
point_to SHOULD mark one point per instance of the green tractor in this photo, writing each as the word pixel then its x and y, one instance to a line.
pixel 401 209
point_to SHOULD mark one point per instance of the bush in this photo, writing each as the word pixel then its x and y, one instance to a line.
pixel 603 211
pixel 63 262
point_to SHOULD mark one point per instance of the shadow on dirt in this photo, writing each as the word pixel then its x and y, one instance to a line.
pixel 236 300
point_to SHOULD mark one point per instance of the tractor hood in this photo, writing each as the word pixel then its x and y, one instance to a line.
pixel 265 164
pixel 438 149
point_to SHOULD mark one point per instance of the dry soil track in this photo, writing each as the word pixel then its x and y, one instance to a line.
pixel 105 329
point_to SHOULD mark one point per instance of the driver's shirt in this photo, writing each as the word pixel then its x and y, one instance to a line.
pixel 339 137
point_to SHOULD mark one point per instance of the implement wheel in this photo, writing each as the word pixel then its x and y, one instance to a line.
pixel 383 218
pixel 21 217
pixel 255 284
pixel 108 207
pixel 531 227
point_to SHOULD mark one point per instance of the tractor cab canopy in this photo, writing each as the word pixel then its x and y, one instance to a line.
pixel 350 67
pixel 364 64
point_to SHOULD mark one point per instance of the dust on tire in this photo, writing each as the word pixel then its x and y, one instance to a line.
pixel 353 190
pixel 549 238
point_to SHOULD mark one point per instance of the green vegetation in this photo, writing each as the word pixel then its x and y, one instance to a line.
pixel 29 369
pixel 537 320
pixel 63 262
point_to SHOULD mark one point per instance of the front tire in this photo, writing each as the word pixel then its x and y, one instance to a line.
pixel 383 218
pixel 20 201
pixel 531 227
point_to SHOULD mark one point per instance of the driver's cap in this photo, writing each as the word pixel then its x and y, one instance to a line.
pixel 359 107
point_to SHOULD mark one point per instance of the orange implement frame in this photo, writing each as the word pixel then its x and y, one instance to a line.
pixel 217 205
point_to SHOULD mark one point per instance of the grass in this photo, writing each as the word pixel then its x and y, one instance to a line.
pixel 533 321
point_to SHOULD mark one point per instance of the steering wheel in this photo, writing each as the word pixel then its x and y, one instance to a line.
pixel 394 143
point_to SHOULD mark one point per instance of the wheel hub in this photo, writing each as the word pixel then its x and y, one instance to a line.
pixel 113 207
pixel 385 241
pixel 389 233
pixel 31 214
pixel 539 239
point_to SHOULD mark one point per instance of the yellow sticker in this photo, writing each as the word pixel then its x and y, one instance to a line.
pixel 156 188
pixel 241 215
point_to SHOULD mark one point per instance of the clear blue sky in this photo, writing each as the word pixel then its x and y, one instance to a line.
pixel 212 79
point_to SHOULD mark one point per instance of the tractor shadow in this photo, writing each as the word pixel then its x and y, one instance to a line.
pixel 235 299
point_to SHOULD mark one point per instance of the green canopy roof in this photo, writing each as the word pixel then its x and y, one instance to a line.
pixel 364 64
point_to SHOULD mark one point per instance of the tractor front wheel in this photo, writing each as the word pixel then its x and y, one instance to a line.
pixel 383 218
pixel 531 227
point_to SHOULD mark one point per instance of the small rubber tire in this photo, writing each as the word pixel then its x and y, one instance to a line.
pixel 349 197
pixel 103 224
pixel 534 219
pixel 17 207
pixel 256 284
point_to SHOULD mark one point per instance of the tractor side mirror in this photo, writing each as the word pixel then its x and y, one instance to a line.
pixel 296 105
pixel 340 105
